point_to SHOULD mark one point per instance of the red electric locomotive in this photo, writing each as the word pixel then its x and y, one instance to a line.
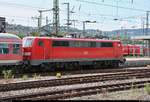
pixel 10 49
pixel 64 51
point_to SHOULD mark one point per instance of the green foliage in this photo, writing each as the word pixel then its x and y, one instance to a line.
pixel 21 35
pixel 147 88
pixel 58 75
pixel 7 74
pixel 25 77
pixel 35 76
pixel 62 33
pixel 35 34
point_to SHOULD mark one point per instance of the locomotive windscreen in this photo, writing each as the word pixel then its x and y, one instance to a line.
pixel 27 42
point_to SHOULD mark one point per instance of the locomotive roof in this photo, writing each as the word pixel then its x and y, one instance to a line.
pixel 77 39
pixel 8 35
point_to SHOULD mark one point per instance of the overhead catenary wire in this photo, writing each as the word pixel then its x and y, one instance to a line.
pixel 83 13
pixel 22 5
pixel 109 5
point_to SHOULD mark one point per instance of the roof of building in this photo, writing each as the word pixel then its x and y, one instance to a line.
pixel 146 37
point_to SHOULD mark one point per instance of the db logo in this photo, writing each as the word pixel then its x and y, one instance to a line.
pixel 86 53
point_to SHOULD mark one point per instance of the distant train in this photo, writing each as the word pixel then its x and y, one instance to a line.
pixel 134 50
pixel 46 51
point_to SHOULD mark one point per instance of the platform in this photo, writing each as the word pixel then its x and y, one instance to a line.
pixel 139 61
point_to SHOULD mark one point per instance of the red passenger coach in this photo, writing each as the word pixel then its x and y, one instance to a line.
pixel 45 50
pixel 131 50
pixel 125 50
pixel 10 49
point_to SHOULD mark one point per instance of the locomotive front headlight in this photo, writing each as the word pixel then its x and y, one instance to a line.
pixel 27 54
pixel 119 45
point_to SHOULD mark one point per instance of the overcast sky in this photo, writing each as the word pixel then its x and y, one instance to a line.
pixel 102 11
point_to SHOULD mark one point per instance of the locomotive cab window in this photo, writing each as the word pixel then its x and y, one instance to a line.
pixel 4 49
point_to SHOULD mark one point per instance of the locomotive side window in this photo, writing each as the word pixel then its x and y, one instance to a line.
pixel 16 48
pixel 60 43
pixel 78 44
pixel 41 43
pixel 106 44
pixel 92 44
pixel 84 44
pixel 4 49
pixel 72 44
pixel 98 44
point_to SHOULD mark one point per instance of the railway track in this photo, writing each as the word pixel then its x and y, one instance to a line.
pixel 80 91
pixel 68 72
pixel 84 91
pixel 145 73
pixel 134 73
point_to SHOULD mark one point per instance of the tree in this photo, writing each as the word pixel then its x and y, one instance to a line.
pixel 35 34
pixel 21 35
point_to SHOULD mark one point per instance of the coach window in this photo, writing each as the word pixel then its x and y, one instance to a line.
pixel 4 49
pixel 16 49
pixel 41 43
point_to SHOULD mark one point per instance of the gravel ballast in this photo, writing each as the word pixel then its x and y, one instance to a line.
pixel 133 94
